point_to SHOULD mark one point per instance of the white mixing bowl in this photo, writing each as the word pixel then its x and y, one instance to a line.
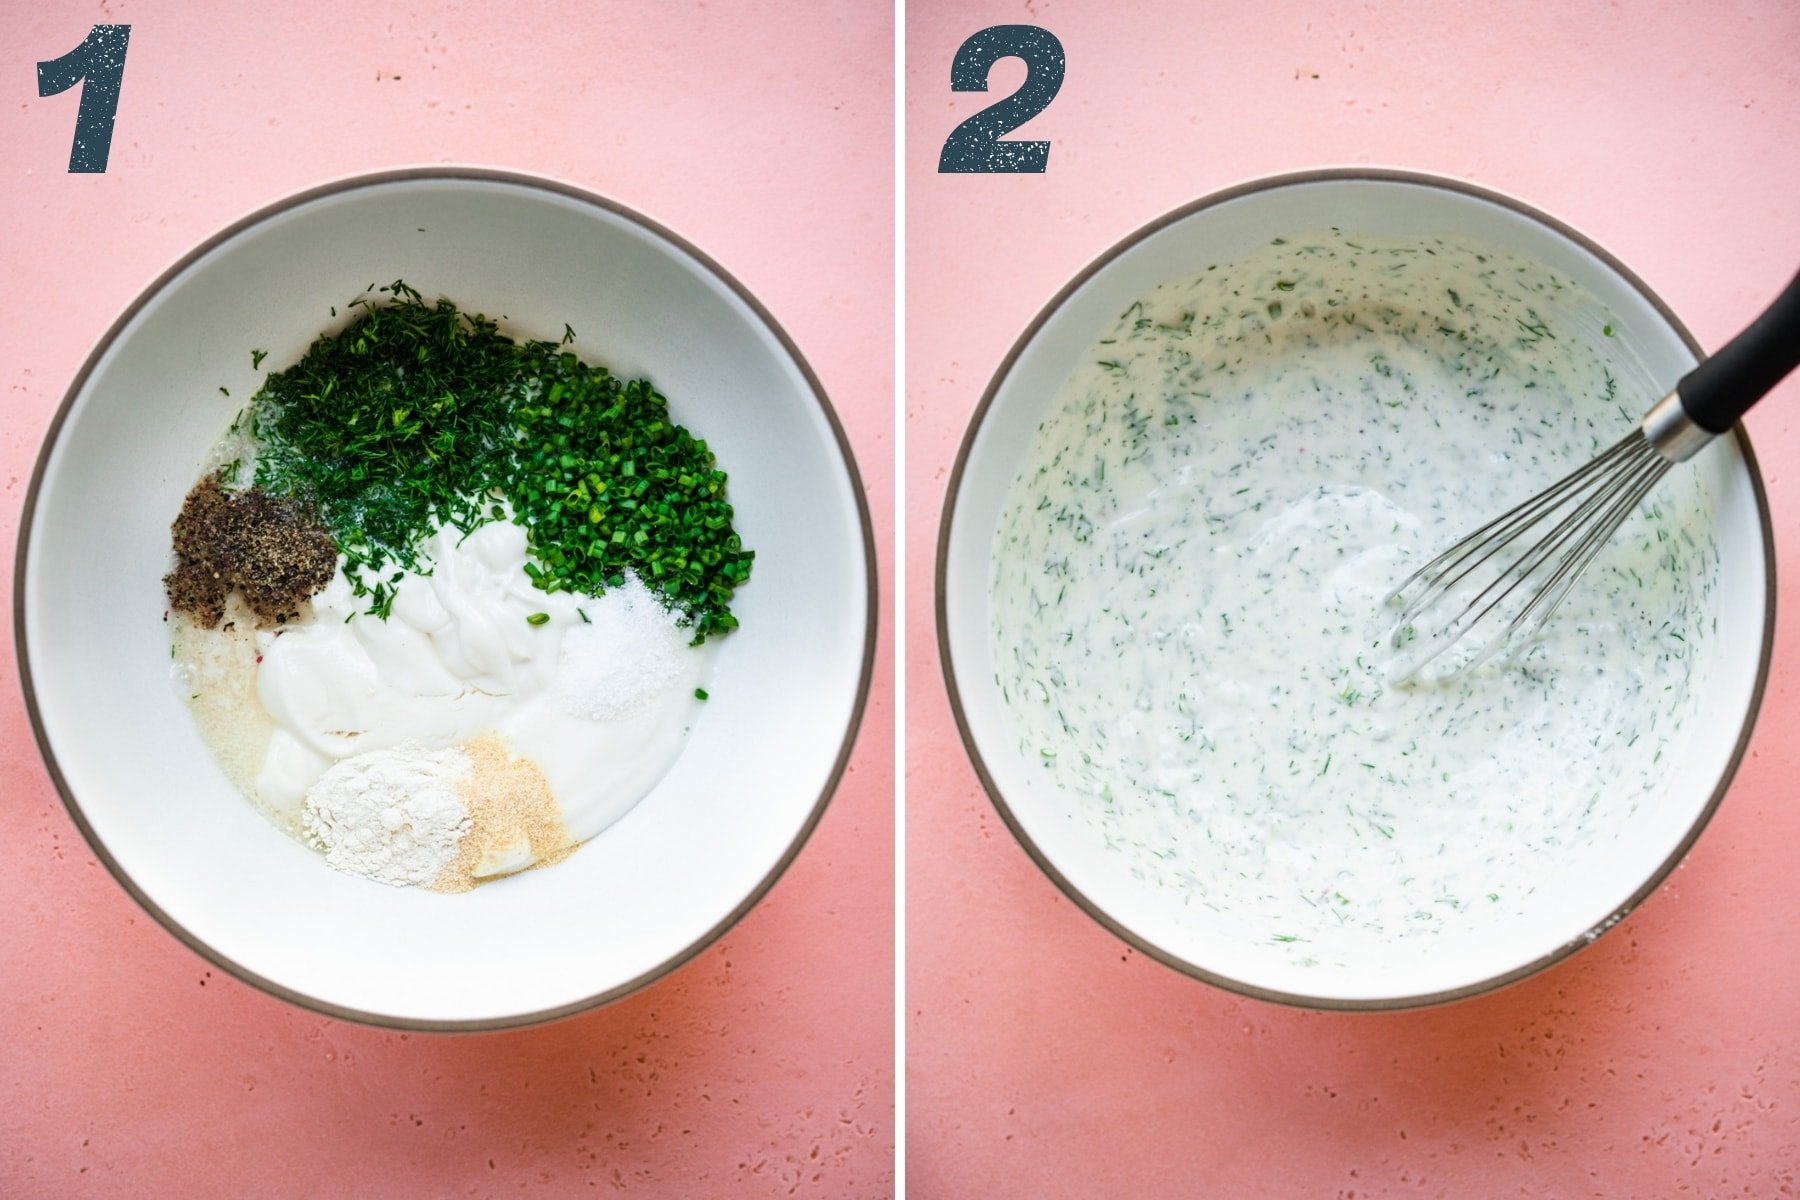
pixel 652 890
pixel 1569 909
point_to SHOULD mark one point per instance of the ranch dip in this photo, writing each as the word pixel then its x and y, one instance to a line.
pixel 1188 582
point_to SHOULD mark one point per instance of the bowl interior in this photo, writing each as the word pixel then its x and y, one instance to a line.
pixel 785 695
pixel 1648 354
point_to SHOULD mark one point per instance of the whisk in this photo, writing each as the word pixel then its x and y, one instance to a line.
pixel 1492 590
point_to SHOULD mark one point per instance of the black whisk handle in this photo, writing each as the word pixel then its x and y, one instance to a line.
pixel 1722 389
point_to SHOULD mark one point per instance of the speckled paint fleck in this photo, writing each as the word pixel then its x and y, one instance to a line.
pixel 1044 1058
pixel 764 1067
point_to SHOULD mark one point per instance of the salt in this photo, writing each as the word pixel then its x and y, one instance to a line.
pixel 624 659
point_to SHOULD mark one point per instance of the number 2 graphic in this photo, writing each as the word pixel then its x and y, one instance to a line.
pixel 98 64
pixel 975 145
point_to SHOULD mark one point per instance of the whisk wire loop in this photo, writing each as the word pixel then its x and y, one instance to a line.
pixel 1530 578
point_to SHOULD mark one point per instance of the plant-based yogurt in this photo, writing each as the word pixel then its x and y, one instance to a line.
pixel 469 647
pixel 1188 582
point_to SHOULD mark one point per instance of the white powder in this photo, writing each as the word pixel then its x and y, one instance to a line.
pixel 625 659
pixel 392 815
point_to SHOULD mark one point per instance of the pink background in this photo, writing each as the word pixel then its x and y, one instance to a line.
pixel 128 1067
pixel 1046 1059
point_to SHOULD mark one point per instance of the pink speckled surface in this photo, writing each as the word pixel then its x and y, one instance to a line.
pixel 1044 1059
pixel 764 1067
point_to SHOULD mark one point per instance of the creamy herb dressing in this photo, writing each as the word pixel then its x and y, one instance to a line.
pixel 1188 580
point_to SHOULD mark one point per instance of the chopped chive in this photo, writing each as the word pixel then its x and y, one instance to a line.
pixel 419 415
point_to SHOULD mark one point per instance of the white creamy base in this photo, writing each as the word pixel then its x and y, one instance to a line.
pixel 457 657
pixel 1187 591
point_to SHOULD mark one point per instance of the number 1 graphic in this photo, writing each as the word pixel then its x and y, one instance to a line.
pixel 100 62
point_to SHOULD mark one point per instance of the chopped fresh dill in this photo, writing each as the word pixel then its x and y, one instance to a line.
pixel 419 414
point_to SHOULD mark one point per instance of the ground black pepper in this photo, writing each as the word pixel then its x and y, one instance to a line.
pixel 273 551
